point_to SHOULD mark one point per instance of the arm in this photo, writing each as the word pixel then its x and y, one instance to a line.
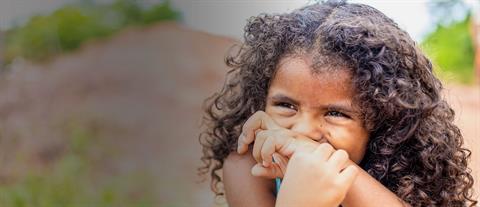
pixel 269 138
pixel 242 189
pixel 367 191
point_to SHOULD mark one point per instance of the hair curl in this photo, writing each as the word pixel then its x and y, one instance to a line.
pixel 414 149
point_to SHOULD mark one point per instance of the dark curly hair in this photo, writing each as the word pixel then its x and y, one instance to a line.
pixel 414 149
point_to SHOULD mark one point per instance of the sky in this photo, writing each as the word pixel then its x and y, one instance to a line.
pixel 228 17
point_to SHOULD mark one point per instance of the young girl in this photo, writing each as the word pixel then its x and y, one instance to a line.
pixel 347 106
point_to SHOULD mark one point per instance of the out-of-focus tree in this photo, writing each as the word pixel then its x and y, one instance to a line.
pixel 68 27
pixel 450 45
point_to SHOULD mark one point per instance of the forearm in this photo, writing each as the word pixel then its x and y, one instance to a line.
pixel 241 188
pixel 367 191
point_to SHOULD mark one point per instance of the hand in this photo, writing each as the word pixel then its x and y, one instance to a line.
pixel 258 121
pixel 269 138
pixel 279 145
pixel 316 178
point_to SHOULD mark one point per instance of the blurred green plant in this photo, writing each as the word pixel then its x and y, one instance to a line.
pixel 68 27
pixel 71 183
pixel 451 50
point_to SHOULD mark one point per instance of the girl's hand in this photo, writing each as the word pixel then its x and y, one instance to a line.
pixel 316 178
pixel 270 138
pixel 258 121
pixel 277 145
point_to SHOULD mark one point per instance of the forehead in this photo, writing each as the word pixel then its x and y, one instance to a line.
pixel 296 78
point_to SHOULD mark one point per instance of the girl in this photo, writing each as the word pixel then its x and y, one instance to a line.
pixel 338 78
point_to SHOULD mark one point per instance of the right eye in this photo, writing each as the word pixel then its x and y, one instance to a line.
pixel 285 105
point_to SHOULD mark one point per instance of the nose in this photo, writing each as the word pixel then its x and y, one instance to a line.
pixel 308 127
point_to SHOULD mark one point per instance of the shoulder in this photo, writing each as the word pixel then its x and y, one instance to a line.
pixel 240 185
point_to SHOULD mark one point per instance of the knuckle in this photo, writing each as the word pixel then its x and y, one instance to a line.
pixel 251 119
pixel 261 113
pixel 303 158
pixel 256 156
pixel 263 135
pixel 278 133
pixel 301 137
pixel 258 115
pixel 260 134
pixel 265 154
pixel 325 146
pixel 342 154
pixel 245 128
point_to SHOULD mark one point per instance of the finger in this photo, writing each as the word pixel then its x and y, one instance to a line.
pixel 347 176
pixel 304 144
pixel 338 160
pixel 267 172
pixel 259 120
pixel 258 145
pixel 281 141
pixel 324 151
pixel 272 143
pixel 281 161
pixel 242 147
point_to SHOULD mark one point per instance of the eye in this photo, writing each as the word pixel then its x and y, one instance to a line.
pixel 337 114
pixel 285 105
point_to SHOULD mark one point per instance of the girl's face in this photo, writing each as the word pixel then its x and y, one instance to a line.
pixel 318 105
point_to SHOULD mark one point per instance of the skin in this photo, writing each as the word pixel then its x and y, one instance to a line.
pixel 318 106
pixel 314 108
pixel 324 166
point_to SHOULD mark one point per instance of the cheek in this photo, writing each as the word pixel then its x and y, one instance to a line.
pixel 352 141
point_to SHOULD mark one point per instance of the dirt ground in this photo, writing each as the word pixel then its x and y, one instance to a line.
pixel 144 90
pixel 465 100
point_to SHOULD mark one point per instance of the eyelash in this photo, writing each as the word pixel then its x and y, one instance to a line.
pixel 337 114
pixel 285 105
pixel 329 113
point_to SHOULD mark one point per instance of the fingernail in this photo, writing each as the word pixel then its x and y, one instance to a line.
pixel 275 158
pixel 254 171
pixel 241 138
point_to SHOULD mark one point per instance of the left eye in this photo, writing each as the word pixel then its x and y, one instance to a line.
pixel 337 114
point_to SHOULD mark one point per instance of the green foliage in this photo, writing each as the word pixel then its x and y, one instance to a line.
pixel 68 27
pixel 451 50
pixel 159 12
pixel 71 184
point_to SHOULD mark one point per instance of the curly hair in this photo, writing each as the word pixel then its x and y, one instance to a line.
pixel 414 148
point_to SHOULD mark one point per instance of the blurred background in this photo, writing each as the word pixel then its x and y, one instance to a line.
pixel 101 100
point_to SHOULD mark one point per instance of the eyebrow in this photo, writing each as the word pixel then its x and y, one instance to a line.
pixel 342 107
